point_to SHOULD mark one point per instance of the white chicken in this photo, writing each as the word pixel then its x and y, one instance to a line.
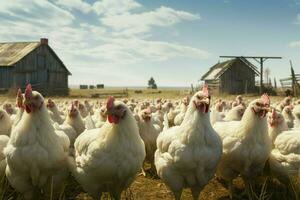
pixel 5 123
pixel 101 114
pixel 20 105
pixel 89 107
pixel 236 113
pixel 296 113
pixel 238 101
pixel 9 109
pixel 246 144
pixel 276 124
pixel 187 155
pixel 216 113
pixel 273 167
pixel 101 117
pixel 54 112
pixel 75 120
pixel 148 132
pixel 82 110
pixel 288 115
pixel 183 107
pixel 286 152
pixel 285 102
pixel 36 155
pixel 3 142
pixel 108 159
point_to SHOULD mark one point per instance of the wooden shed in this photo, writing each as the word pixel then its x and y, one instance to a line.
pixel 235 76
pixel 32 62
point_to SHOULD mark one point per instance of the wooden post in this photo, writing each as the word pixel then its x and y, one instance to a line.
pixel 293 81
pixel 261 75
pixel 192 87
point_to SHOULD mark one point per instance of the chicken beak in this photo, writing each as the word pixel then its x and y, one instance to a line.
pixel 264 111
pixel 27 101
pixel 272 122
pixel 27 104
pixel 108 112
pixel 105 112
pixel 268 109
pixel 147 117
pixel 203 105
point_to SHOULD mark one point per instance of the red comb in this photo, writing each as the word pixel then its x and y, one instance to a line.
pixel 266 99
pixel 28 91
pixel 110 102
pixel 205 90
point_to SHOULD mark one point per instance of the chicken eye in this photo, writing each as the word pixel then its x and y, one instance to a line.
pixel 258 104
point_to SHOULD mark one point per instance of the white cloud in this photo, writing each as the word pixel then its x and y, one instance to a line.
pixel 41 13
pixel 294 44
pixel 159 50
pixel 87 46
pixel 133 50
pixel 113 7
pixel 75 4
pixel 93 29
pixel 129 24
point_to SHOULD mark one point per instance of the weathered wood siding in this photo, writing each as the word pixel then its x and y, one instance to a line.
pixel 238 79
pixel 6 77
pixel 43 70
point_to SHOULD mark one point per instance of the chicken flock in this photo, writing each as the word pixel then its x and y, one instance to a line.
pixel 105 145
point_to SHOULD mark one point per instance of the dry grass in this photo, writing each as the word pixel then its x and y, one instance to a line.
pixel 151 188
pixel 145 94
pixel 132 93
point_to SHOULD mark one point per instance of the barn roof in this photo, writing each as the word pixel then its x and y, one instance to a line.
pixel 13 52
pixel 218 69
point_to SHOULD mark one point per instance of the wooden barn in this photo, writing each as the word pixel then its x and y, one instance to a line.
pixel 235 76
pixel 32 62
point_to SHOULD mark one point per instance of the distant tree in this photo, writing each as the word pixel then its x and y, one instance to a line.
pixel 275 84
pixel 152 84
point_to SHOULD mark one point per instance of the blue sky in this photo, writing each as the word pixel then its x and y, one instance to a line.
pixel 124 42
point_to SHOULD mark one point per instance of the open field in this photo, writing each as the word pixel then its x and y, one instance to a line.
pixel 138 93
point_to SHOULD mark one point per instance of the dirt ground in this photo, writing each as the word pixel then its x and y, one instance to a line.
pixel 148 188
pixel 145 188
